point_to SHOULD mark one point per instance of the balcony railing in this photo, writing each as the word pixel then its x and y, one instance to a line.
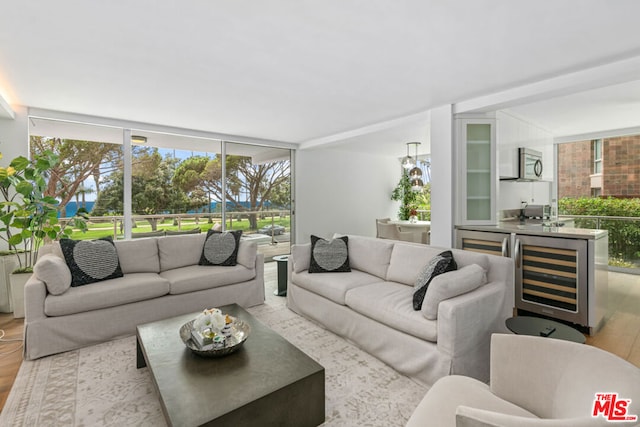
pixel 270 243
pixel 624 237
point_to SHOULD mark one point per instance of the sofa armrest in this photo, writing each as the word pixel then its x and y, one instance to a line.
pixel 35 292
pixel 465 325
pixel 300 257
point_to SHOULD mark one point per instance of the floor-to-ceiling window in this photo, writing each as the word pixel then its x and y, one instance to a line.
pixel 258 195
pixel 141 183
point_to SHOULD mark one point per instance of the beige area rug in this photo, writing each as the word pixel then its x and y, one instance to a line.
pixel 100 385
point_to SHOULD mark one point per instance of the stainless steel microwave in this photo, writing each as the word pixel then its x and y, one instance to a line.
pixel 530 164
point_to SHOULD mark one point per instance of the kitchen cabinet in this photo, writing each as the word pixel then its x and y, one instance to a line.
pixel 561 272
pixel 477 170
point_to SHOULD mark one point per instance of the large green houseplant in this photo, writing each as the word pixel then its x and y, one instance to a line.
pixel 411 199
pixel 30 216
pixel 408 198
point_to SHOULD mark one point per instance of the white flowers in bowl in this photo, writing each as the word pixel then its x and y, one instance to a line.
pixel 211 327
pixel 210 320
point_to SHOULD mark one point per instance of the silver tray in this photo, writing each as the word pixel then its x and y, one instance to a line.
pixel 239 333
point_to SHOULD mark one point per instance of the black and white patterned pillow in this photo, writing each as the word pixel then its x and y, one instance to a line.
pixel 221 248
pixel 91 261
pixel 329 256
pixel 441 263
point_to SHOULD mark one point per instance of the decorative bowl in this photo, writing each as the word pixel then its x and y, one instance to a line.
pixel 239 333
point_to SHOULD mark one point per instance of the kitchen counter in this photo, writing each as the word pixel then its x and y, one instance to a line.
pixel 537 228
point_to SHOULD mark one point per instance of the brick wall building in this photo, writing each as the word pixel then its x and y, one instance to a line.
pixel 575 165
pixel 620 168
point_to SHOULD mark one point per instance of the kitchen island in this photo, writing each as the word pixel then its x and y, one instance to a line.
pixel 561 272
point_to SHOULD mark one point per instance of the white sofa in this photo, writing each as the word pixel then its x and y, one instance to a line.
pixel 372 307
pixel 161 279
pixel 535 381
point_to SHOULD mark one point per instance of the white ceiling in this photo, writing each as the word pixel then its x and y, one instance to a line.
pixel 603 109
pixel 300 71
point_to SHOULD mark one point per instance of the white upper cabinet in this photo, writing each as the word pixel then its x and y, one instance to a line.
pixel 476 178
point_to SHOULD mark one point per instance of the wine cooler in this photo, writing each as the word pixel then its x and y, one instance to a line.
pixel 563 278
pixel 484 242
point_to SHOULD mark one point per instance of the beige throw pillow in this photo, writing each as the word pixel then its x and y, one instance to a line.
pixel 54 272
pixel 452 284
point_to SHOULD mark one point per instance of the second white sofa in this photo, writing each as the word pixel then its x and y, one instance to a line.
pixel 372 306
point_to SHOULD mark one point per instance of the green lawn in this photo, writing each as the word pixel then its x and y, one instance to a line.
pixel 97 230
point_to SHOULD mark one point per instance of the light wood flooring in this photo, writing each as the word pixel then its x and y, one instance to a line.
pixel 620 334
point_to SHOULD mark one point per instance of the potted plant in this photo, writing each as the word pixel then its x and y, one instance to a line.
pixel 407 197
pixel 8 254
pixel 30 216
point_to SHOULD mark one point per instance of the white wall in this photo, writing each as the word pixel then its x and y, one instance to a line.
pixel 534 193
pixel 340 191
pixel 14 140
pixel 514 132
pixel 14 136
pixel 442 177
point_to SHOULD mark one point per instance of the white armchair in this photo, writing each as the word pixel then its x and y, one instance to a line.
pixel 534 381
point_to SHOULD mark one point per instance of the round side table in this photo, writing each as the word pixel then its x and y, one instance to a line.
pixel 282 275
pixel 536 326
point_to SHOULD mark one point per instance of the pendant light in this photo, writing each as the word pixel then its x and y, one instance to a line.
pixel 417 184
pixel 409 162
pixel 415 174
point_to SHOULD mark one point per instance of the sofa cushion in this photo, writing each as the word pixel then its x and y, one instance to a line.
pixel 91 261
pixel 180 251
pixel 247 253
pixel 138 256
pixel 390 303
pixel 440 264
pixel 370 255
pixel 333 286
pixel 408 260
pixel 329 256
pixel 198 277
pixel 221 248
pixel 452 284
pixel 54 272
pixel 109 293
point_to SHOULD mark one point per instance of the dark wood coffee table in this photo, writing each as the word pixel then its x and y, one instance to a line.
pixel 537 326
pixel 266 382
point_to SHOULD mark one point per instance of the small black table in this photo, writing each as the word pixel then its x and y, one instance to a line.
pixel 282 275
pixel 536 326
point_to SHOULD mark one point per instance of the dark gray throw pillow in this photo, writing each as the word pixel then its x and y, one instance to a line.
pixel 329 256
pixel 439 264
pixel 221 248
pixel 91 261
